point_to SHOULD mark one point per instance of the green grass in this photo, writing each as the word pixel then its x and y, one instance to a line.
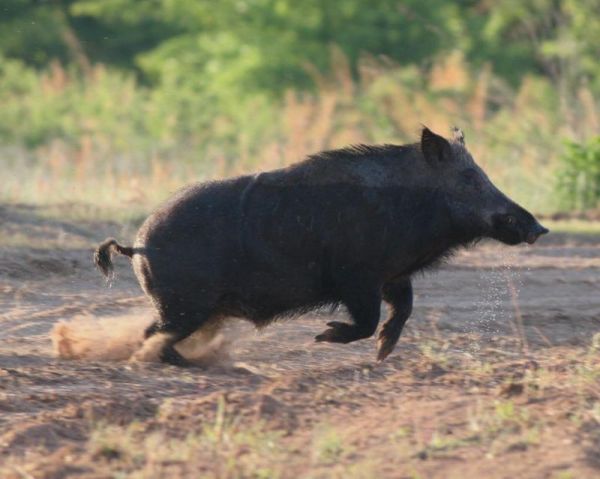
pixel 328 445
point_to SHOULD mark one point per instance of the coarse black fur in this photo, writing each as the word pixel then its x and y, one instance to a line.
pixel 347 227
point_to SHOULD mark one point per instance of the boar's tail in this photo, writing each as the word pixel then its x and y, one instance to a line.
pixel 102 255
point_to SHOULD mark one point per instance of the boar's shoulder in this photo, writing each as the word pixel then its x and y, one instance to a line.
pixel 365 165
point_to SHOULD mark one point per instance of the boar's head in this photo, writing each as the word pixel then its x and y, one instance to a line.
pixel 475 204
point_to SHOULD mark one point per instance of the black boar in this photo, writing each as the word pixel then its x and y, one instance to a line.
pixel 347 227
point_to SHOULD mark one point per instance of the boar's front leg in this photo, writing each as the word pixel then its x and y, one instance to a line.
pixel 399 295
pixel 364 306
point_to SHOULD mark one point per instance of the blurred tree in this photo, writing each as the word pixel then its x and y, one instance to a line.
pixel 556 38
pixel 31 31
pixel 40 31
pixel 249 46
pixel 268 44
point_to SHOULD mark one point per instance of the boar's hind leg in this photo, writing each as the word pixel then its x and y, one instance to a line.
pixel 175 325
pixel 152 329
pixel 364 308
pixel 398 294
pixel 168 353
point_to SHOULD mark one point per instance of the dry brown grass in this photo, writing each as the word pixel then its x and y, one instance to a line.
pixel 515 135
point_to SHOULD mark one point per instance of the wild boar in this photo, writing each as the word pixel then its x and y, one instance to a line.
pixel 347 226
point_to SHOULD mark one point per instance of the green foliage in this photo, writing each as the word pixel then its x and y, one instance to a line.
pixel 555 37
pixel 60 105
pixel 216 55
pixel 241 47
pixel 235 47
pixel 31 31
pixel 579 175
pixel 82 32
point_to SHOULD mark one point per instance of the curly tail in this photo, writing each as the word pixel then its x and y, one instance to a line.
pixel 102 255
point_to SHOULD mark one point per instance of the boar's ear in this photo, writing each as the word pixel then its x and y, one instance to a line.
pixel 458 136
pixel 435 148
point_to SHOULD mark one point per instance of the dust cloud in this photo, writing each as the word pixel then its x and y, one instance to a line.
pixel 120 338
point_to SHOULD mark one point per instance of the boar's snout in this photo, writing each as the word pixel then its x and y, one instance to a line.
pixel 516 226
pixel 535 232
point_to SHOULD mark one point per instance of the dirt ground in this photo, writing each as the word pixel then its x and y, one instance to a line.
pixel 497 374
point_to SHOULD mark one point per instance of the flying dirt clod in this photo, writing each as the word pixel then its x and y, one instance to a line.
pixel 347 226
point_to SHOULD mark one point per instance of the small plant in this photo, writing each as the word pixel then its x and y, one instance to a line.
pixel 564 475
pixel 595 412
pixel 579 175
pixel 595 346
pixel 507 414
pixel 241 450
pixel 328 445
pixel 402 432
pixel 113 442
pixel 443 443
pixel 435 352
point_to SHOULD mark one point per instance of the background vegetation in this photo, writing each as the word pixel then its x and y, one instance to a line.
pixel 112 101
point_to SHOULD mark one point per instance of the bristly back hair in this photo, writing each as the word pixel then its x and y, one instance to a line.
pixel 359 151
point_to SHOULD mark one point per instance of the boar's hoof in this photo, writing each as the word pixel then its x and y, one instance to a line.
pixel 338 332
pixel 170 356
pixel 385 346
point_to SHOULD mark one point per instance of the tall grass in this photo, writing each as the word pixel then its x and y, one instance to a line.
pixel 104 139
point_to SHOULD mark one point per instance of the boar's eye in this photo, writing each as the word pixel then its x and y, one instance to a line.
pixel 510 220
pixel 471 178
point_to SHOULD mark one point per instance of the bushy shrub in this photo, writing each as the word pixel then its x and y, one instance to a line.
pixel 579 175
